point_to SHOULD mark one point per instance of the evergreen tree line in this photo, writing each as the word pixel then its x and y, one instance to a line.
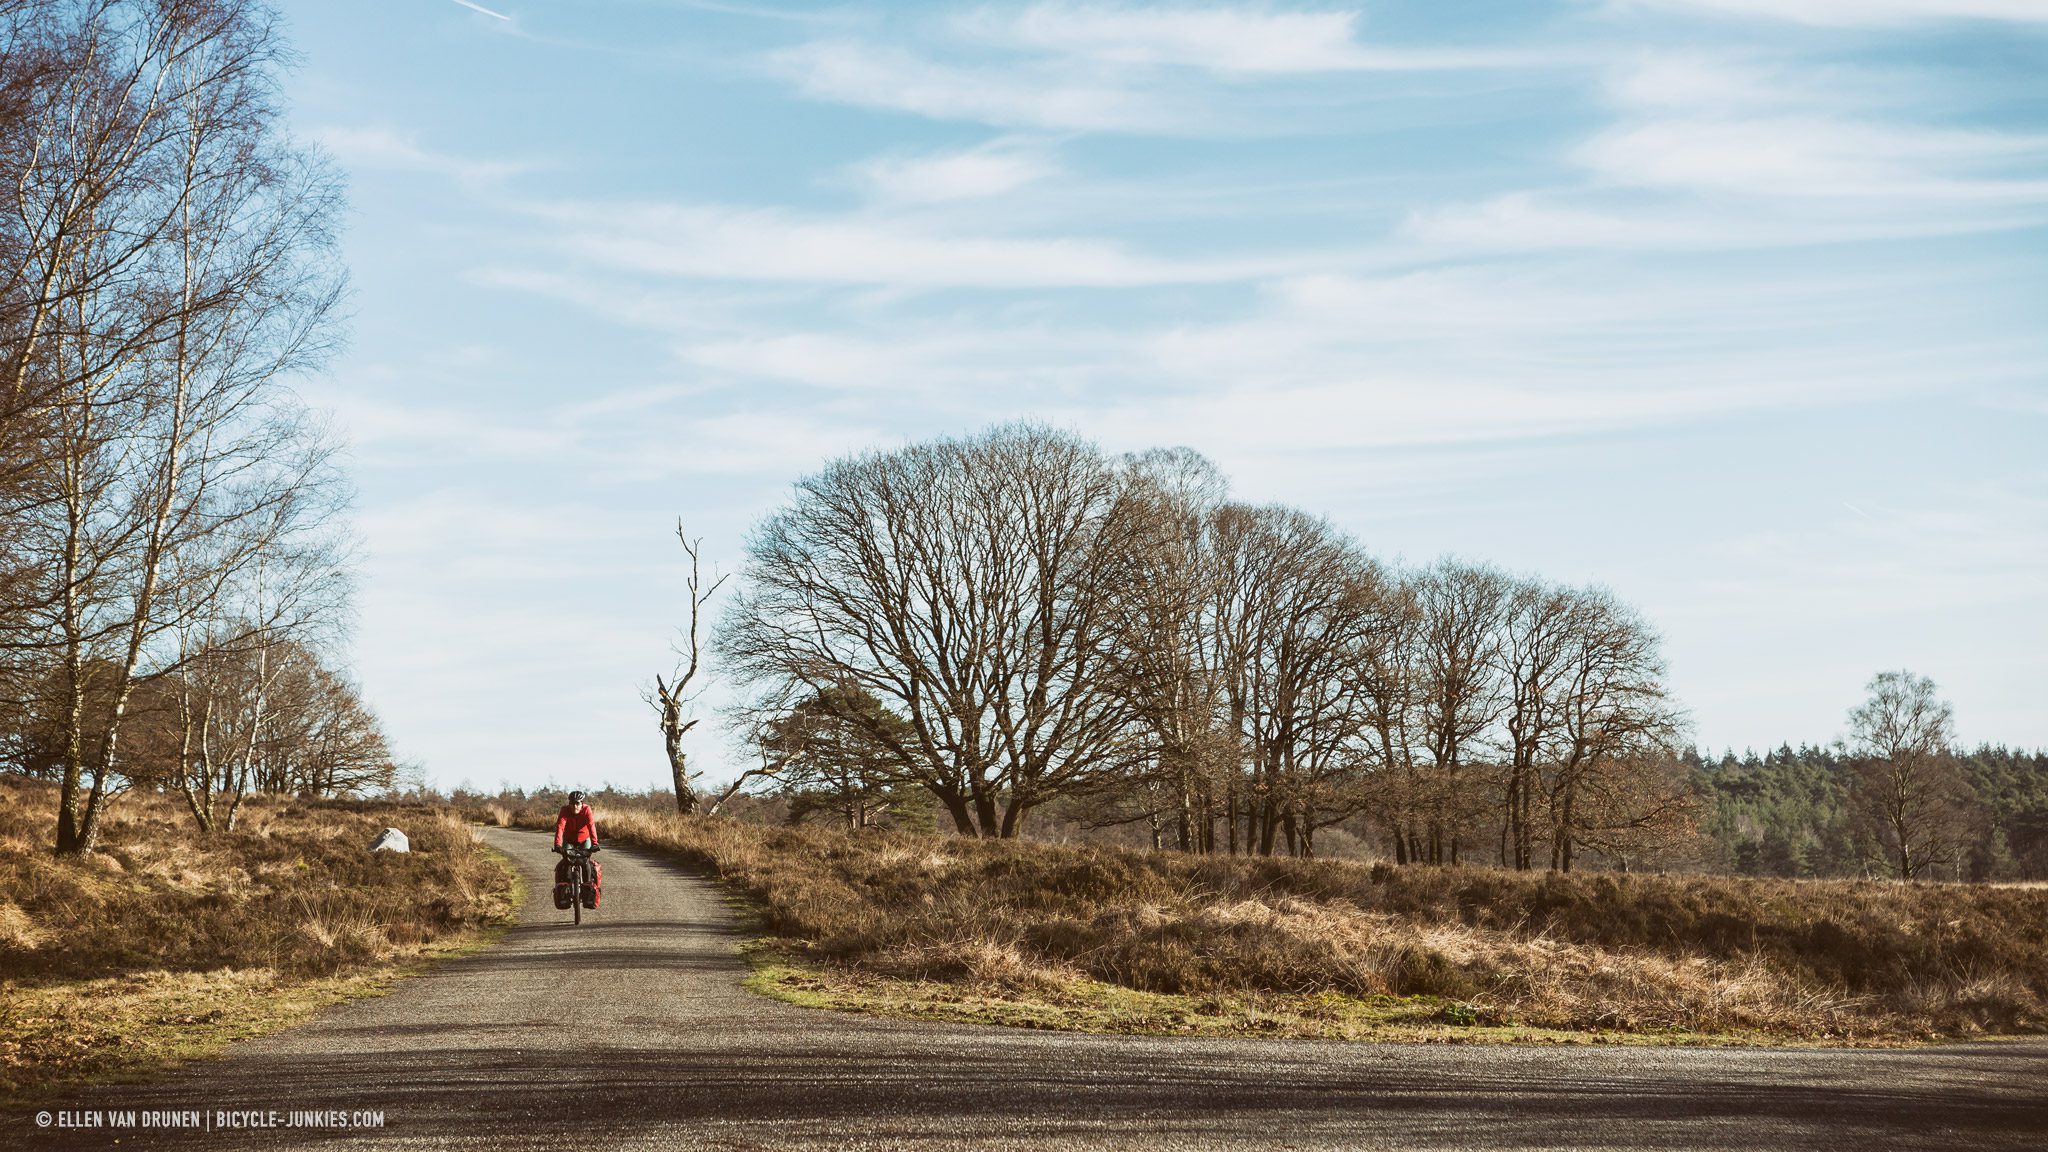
pixel 1799 812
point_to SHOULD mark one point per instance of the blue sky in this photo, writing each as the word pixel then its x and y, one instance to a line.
pixel 1739 307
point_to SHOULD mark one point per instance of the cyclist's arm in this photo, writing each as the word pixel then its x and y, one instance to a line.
pixel 593 828
pixel 561 825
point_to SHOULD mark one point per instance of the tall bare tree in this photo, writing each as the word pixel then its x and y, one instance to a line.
pixel 1390 684
pixel 1908 785
pixel 1159 658
pixel 1539 627
pixel 1616 722
pixel 1302 613
pixel 966 585
pixel 1459 697
pixel 173 254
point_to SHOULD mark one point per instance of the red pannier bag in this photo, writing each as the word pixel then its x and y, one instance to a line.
pixel 562 897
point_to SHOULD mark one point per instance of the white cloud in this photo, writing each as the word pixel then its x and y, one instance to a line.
pixel 1951 547
pixel 398 432
pixel 1671 82
pixel 1539 221
pixel 1861 13
pixel 1479 354
pixel 870 76
pixel 387 150
pixel 1709 153
pixel 781 246
pixel 1405 410
pixel 1219 38
pixel 978 173
pixel 937 364
pixel 1109 68
pixel 1824 157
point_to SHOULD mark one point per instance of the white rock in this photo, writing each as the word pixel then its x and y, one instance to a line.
pixel 391 840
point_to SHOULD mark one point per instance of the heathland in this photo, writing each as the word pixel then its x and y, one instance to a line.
pixel 165 944
pixel 1129 939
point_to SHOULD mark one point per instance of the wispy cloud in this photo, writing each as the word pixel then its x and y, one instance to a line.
pixel 1112 68
pixel 387 150
pixel 1953 545
pixel 473 7
pixel 896 79
pixel 1704 154
pixel 852 249
pixel 1859 13
pixel 992 169
pixel 1820 157
pixel 1216 37
pixel 767 12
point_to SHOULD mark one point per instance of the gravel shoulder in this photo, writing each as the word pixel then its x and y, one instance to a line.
pixel 633 1032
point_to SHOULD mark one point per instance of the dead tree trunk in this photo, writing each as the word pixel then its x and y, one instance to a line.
pixel 671 698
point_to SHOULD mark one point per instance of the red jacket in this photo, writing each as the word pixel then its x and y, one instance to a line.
pixel 575 825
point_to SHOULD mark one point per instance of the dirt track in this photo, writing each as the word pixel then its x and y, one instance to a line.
pixel 632 1032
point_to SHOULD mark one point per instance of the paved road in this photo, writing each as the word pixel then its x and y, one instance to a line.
pixel 632 1032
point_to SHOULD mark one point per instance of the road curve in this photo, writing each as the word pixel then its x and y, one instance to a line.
pixel 632 1032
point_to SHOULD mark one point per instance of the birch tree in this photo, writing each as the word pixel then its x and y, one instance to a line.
pixel 174 260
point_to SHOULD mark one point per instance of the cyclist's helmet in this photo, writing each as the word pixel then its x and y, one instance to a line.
pixel 576 799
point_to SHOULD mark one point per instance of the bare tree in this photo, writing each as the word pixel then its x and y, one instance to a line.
pixel 1390 685
pixel 1616 721
pixel 1300 613
pixel 965 584
pixel 1159 658
pixel 1909 787
pixel 174 255
pixel 1459 697
pixel 1539 628
pixel 672 698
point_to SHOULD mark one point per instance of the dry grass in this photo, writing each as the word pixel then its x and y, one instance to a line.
pixel 1690 956
pixel 163 943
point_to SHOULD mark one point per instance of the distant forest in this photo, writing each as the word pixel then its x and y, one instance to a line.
pixel 1792 813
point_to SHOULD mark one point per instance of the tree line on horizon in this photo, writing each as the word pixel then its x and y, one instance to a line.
pixel 173 575
pixel 984 627
pixel 1817 812
pixel 1014 618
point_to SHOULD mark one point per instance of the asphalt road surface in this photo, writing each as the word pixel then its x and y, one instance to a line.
pixel 632 1032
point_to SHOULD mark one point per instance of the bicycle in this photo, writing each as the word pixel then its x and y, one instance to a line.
pixel 580 877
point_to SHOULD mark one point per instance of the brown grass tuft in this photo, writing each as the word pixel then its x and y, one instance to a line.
pixel 290 908
pixel 293 889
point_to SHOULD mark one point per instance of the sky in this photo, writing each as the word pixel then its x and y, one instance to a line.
pixel 1736 307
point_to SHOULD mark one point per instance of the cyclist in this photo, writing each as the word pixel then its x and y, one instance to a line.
pixel 576 824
